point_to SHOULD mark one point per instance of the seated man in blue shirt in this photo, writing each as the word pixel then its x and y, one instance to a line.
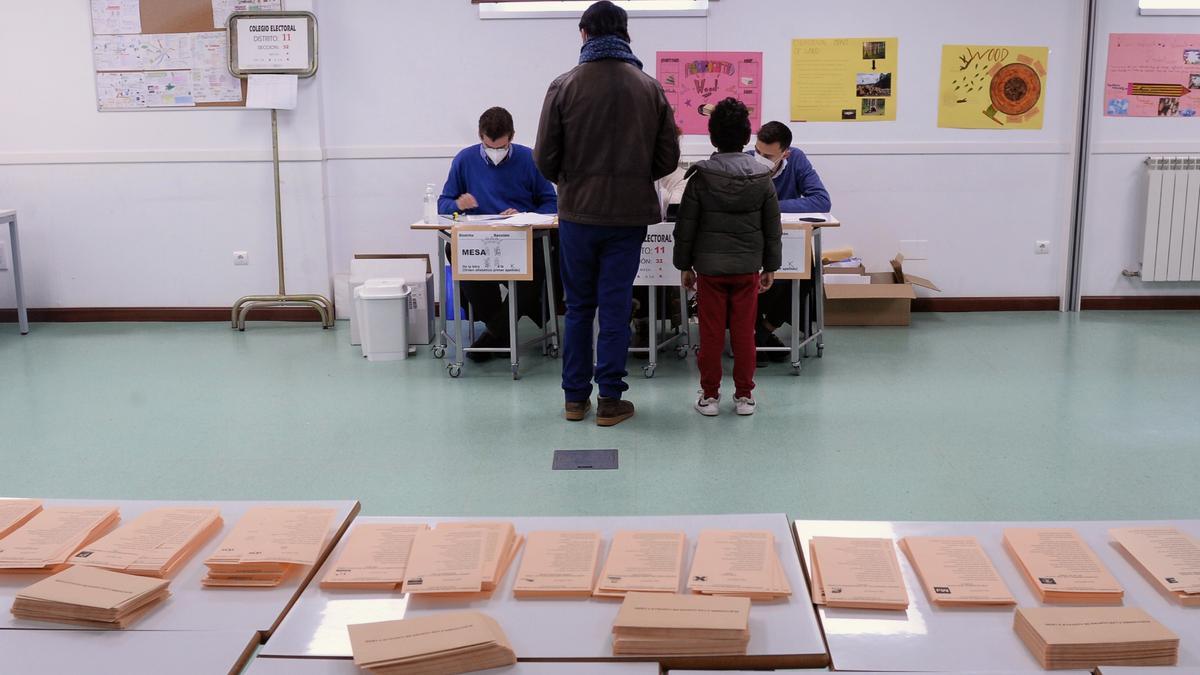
pixel 494 177
pixel 800 190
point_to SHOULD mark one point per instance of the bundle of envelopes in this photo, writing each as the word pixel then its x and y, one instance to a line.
pixel 558 565
pixel 738 563
pixel 16 512
pixel 87 596
pixel 268 544
pixel 661 624
pixel 856 573
pixel 439 644
pixel 1168 557
pixel 1061 568
pixel 155 543
pixel 47 540
pixel 956 572
pixel 1086 637
pixel 462 559
pixel 374 557
pixel 644 562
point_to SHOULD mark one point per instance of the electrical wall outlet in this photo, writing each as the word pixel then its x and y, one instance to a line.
pixel 3 256
pixel 914 249
pixel 241 258
pixel 1042 248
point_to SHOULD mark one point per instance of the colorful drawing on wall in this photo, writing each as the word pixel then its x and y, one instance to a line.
pixel 993 87
pixel 1152 75
pixel 696 81
pixel 844 79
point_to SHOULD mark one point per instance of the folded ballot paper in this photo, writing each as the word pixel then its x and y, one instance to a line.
pixel 47 540
pixel 856 574
pixel 738 563
pixel 647 562
pixel 663 624
pixel 1166 556
pixel 375 557
pixel 558 565
pixel 86 596
pixel 16 512
pixel 268 544
pixel 155 543
pixel 1085 637
pixel 438 644
pixel 1061 568
pixel 461 559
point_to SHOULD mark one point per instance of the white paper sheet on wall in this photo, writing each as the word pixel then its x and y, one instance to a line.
pixel 272 91
pixel 171 51
pixel 121 91
pixel 211 80
pixel 117 52
pixel 116 17
pixel 169 88
pixel 223 8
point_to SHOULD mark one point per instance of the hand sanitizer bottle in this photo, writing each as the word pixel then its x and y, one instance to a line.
pixel 431 211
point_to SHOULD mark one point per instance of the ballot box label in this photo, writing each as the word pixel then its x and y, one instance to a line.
pixel 657 267
pixel 493 253
pixel 797 253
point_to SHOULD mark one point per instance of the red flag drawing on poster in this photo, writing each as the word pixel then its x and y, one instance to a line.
pixel 696 81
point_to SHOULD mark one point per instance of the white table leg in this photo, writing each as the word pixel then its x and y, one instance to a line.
pixel 22 314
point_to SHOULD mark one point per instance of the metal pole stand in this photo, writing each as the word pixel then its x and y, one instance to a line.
pixel 318 302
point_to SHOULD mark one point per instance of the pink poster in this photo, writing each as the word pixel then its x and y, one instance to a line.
pixel 1152 75
pixel 696 81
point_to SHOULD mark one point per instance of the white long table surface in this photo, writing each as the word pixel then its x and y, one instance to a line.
pixel 278 666
pixel 191 606
pixel 927 639
pixel 99 652
pixel 783 634
pixel 1157 670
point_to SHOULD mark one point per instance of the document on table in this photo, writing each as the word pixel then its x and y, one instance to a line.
pixel 558 564
pixel 1061 567
pixel 16 512
pixel 54 535
pixel 446 560
pixel 857 573
pixel 956 571
pixel 90 597
pixel 458 642
pixel 277 534
pixel 1167 556
pixel 153 542
pixel 642 561
pixel 500 547
pixel 375 556
pixel 738 562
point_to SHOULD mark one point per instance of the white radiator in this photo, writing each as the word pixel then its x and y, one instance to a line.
pixel 1172 248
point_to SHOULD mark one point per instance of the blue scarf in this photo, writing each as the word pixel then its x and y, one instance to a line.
pixel 608 47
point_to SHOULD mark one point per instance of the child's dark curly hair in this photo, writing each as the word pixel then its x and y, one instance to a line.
pixel 729 126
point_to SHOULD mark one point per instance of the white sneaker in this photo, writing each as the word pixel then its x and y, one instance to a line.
pixel 708 406
pixel 745 406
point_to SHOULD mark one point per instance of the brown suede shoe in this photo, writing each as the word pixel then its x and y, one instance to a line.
pixel 577 410
pixel 612 411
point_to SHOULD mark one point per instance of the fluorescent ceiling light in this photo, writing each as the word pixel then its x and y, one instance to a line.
pixel 1169 7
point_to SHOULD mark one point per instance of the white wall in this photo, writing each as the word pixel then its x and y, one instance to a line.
pixel 1116 198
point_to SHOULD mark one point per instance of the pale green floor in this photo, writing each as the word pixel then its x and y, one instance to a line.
pixel 968 416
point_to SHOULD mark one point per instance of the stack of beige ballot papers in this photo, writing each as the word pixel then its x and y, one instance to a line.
pixel 439 644
pixel 956 572
pixel 738 563
pixel 1061 568
pixel 1170 558
pixel 661 624
pixel 87 596
pixel 645 562
pixel 16 512
pixel 375 557
pixel 47 540
pixel 467 559
pixel 558 565
pixel 1082 638
pixel 855 573
pixel 155 543
pixel 268 544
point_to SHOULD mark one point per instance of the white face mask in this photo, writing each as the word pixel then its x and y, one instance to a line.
pixel 497 155
pixel 776 169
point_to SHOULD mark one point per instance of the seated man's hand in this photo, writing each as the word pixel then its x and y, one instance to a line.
pixel 509 212
pixel 766 281
pixel 466 202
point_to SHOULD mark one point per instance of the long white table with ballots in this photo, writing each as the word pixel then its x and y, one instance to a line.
pixel 929 639
pixel 55 652
pixel 273 666
pixel 1148 670
pixel 783 634
pixel 192 607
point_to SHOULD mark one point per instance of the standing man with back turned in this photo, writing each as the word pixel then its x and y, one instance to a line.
pixel 607 133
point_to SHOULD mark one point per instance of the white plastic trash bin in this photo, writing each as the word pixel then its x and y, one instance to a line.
pixel 382 309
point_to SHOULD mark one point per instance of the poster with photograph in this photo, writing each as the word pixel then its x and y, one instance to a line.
pixel 844 79
pixel 696 81
pixel 993 87
pixel 1152 75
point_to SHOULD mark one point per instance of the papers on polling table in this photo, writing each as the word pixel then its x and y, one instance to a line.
pixel 16 512
pixel 1086 637
pixel 268 544
pixel 856 573
pixel 1061 568
pixel 799 218
pixel 659 624
pixel 1168 557
pixel 272 91
pixel 558 564
pixel 155 543
pixel 642 561
pixel 446 561
pixel 211 80
pixel 460 642
pixel 116 17
pixel 87 596
pixel 956 572
pixel 738 563
pixel 46 541
pixel 500 546
pixel 523 219
pixel 375 557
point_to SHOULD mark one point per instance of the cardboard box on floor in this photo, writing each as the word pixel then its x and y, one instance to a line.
pixel 417 272
pixel 886 301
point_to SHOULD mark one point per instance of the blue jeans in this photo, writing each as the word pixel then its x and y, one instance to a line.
pixel 598 264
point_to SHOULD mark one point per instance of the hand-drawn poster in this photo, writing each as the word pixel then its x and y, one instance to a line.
pixel 696 81
pixel 993 87
pixel 121 91
pixel 211 80
pixel 169 88
pixel 1152 75
pixel 844 79
pixel 116 17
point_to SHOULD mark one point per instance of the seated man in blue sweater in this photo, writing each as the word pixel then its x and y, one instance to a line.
pixel 494 177
pixel 800 190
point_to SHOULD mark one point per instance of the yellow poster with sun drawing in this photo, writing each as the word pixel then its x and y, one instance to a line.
pixel 844 80
pixel 991 87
